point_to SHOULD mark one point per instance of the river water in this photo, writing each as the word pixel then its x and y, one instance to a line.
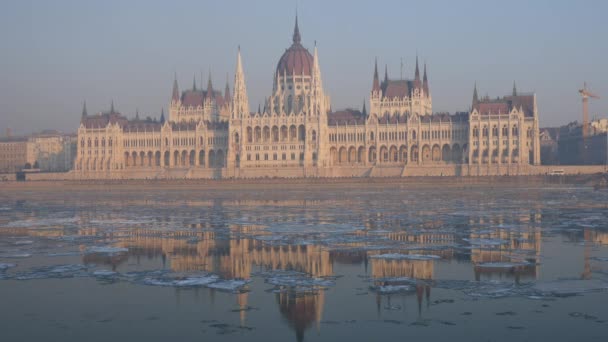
pixel 481 262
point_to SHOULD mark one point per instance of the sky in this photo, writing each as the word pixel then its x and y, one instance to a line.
pixel 57 54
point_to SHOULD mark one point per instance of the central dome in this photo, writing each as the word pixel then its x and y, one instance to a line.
pixel 296 60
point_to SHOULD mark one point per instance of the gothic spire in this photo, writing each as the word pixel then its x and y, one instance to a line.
pixel 296 32
pixel 84 109
pixel 136 114
pixel 227 90
pixel 376 84
pixel 425 82
pixel 475 96
pixel 317 83
pixel 514 89
pixel 417 76
pixel 112 107
pixel 162 116
pixel 240 102
pixel 175 96
pixel 386 73
pixel 364 110
pixel 194 83
pixel 209 86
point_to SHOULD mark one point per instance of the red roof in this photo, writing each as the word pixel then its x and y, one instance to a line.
pixel 296 60
pixel 506 104
pixel 103 119
pixel 345 117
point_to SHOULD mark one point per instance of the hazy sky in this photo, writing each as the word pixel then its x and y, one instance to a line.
pixel 56 54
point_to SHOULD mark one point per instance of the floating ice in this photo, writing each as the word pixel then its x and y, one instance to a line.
pixel 5 266
pixel 502 264
pixel 228 285
pixel 23 242
pixel 563 288
pixel 181 282
pixel 15 255
pixel 486 242
pixel 106 250
pixel 42 222
pixel 63 254
pixel 104 273
pixel 56 271
pixel 398 256
pixel 389 289
pixel 297 281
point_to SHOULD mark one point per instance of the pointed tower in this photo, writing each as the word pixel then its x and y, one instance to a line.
pixel 175 95
pixel 296 32
pixel 209 87
pixel 162 116
pixel 112 107
pixel 385 74
pixel 137 114
pixel 475 96
pixel 84 109
pixel 194 83
pixel 425 82
pixel 364 110
pixel 240 102
pixel 227 91
pixel 514 89
pixel 417 75
pixel 376 83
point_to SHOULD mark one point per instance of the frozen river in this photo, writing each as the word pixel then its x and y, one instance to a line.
pixel 511 262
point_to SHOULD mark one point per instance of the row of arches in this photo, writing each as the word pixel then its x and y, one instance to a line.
pixel 283 133
pixel 184 158
pixel 495 156
pixel 403 154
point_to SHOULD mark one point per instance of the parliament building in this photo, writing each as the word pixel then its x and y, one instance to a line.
pixel 213 134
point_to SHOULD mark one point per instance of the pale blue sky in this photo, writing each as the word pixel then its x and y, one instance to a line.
pixel 55 54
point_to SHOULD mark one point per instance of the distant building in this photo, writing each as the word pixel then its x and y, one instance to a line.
pixel 548 146
pixel 296 134
pixel 13 154
pixel 574 150
pixel 54 151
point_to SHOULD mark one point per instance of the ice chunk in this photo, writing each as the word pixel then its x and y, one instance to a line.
pixel 104 273
pixel 389 289
pixel 229 285
pixel 502 264
pixel 570 287
pixel 486 242
pixel 106 250
pixel 398 256
pixel 192 281
pixel 56 271
pixel 6 266
pixel 23 242
pixel 15 255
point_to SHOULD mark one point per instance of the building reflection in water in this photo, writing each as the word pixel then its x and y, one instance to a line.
pixel 231 252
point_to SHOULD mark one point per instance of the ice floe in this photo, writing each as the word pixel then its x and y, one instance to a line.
pixel 398 256
pixel 191 281
pixel 502 264
pixel 55 271
pixel 109 250
pixel 16 255
pixel 6 266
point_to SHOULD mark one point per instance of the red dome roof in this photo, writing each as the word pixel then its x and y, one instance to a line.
pixel 296 60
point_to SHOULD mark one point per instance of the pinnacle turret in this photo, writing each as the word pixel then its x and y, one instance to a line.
pixel 84 109
pixel 376 83
pixel 175 95
pixel 296 32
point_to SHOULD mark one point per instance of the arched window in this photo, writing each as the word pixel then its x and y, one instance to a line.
pixel 314 135
pixel 514 131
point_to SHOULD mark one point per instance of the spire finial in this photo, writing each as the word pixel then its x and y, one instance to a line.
pixel 194 83
pixel 84 109
pixel 417 76
pixel 112 107
pixel 209 85
pixel 175 95
pixel 364 111
pixel 385 73
pixel 514 89
pixel 376 83
pixel 296 32
pixel 475 96
pixel 136 113
pixel 162 115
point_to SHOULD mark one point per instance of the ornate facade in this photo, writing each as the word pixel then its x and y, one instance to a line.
pixel 213 135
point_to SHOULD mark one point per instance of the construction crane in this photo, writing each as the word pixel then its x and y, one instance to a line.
pixel 586 94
